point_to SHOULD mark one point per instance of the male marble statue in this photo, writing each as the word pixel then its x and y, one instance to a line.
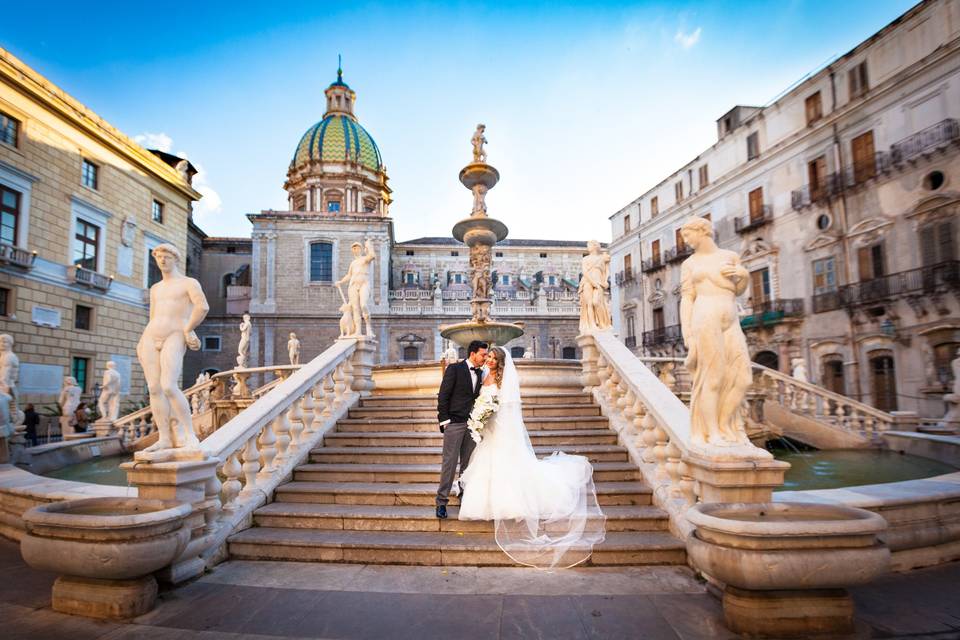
pixel 594 285
pixel 799 369
pixel 109 402
pixel 293 348
pixel 9 375
pixel 243 349
pixel 177 307
pixel 717 356
pixel 478 140
pixel 479 199
pixel 358 287
pixel 69 401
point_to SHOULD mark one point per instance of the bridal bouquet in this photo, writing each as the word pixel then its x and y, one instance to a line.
pixel 485 406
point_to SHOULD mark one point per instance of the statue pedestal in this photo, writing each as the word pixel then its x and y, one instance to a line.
pixel 735 480
pixel 362 363
pixel 102 427
pixel 193 481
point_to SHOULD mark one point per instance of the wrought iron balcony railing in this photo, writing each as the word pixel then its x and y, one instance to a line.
pixel 630 342
pixel 652 264
pixel 675 254
pixel 89 278
pixel 827 301
pixel 754 220
pixel 808 194
pixel 662 336
pixel 626 277
pixel 771 312
pixel 927 280
pixel 926 141
pixel 17 256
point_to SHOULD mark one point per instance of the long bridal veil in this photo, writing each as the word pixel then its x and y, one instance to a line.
pixel 551 519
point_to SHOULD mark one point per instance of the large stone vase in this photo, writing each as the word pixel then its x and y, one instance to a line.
pixel 785 567
pixel 105 550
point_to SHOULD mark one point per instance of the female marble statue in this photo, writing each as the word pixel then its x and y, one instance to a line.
pixel 594 285
pixel 243 349
pixel 717 358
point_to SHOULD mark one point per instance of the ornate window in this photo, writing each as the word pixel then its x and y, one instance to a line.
pixel 321 262
pixel 9 215
pixel 86 245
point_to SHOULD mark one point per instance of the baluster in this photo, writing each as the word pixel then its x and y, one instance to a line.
pixel 211 491
pixel 231 488
pixel 328 395
pixel 672 454
pixel 283 424
pixel 639 414
pixel 251 465
pixel 339 387
pixel 660 452
pixel 294 420
pixel 306 412
pixel 628 402
pixel 688 486
pixel 348 375
pixel 649 437
pixel 268 448
pixel 319 405
pixel 870 425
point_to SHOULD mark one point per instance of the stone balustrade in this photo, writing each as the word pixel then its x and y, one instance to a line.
pixel 255 450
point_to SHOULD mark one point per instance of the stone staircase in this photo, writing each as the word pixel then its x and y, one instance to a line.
pixel 367 495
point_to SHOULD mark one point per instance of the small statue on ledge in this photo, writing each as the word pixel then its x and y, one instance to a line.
pixel 108 404
pixel 293 348
pixel 594 287
pixel 478 140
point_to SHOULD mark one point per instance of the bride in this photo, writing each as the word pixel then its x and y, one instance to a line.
pixel 545 511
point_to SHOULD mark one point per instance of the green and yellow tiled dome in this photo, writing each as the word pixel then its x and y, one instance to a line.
pixel 337 138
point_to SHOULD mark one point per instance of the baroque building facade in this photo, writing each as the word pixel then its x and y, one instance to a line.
pixel 285 275
pixel 81 206
pixel 841 197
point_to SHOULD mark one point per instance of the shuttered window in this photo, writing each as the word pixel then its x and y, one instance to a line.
pixel 817 176
pixel 937 242
pixel 814 108
pixel 864 164
pixel 655 250
pixel 858 80
pixel 871 262
pixel 654 207
pixel 824 275
pixel 755 199
pixel 760 285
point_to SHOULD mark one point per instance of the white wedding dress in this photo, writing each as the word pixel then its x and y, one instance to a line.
pixel 545 511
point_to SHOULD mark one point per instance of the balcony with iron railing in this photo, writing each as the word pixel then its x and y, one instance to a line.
pixel 771 312
pixel 828 187
pixel 662 336
pixel 630 342
pixel 926 141
pixel 89 278
pixel 678 253
pixel 17 256
pixel 826 301
pixel 754 220
pixel 652 264
pixel 926 280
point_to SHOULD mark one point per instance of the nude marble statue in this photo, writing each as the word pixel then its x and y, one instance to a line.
pixel 243 348
pixel 479 199
pixel 293 348
pixel 358 287
pixel 10 375
pixel 177 307
pixel 799 369
pixel 594 286
pixel 717 355
pixel 478 140
pixel 69 401
pixel 109 402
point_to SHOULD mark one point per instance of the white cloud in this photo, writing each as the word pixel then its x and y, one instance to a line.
pixel 159 141
pixel 687 40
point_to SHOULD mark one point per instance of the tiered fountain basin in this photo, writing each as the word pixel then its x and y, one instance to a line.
pixel 105 550
pixel 493 333
pixel 785 567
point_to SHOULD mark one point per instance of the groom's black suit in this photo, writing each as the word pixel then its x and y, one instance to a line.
pixel 458 391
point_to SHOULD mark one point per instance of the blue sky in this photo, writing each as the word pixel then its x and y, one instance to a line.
pixel 586 104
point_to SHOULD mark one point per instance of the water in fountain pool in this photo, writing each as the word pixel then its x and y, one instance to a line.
pixel 814 469
pixel 98 471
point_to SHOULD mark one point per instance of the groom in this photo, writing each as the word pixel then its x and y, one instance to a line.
pixel 460 387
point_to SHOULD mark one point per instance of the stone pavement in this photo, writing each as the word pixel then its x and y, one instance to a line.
pixel 264 600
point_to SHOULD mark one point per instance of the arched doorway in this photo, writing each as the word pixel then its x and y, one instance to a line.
pixel 832 376
pixel 768 359
pixel 883 382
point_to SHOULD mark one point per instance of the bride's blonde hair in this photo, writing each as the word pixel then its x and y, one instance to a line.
pixel 500 356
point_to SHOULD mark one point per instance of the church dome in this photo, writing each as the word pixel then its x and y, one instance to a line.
pixel 337 138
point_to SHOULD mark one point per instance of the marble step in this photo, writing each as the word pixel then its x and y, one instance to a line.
pixel 532 424
pixel 351 517
pixel 428 401
pixel 432 455
pixel 559 410
pixel 445 548
pixel 333 472
pixel 556 438
pixel 424 493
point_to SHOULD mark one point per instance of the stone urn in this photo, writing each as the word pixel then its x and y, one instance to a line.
pixel 785 567
pixel 105 550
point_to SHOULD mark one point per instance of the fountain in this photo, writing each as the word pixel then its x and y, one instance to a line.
pixel 480 232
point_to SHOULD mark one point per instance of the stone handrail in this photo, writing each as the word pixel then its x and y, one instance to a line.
pixel 805 398
pixel 653 423
pixel 139 424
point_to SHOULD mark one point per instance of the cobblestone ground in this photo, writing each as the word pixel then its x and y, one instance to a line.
pixel 300 600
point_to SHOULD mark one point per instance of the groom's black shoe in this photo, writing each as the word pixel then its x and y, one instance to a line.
pixel 441 511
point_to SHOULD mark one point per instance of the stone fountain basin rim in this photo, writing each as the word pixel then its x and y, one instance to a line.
pixel 450 331
pixel 56 515
pixel 479 173
pixel 482 223
pixel 847 521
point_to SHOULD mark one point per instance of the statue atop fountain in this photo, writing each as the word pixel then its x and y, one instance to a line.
pixel 480 232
